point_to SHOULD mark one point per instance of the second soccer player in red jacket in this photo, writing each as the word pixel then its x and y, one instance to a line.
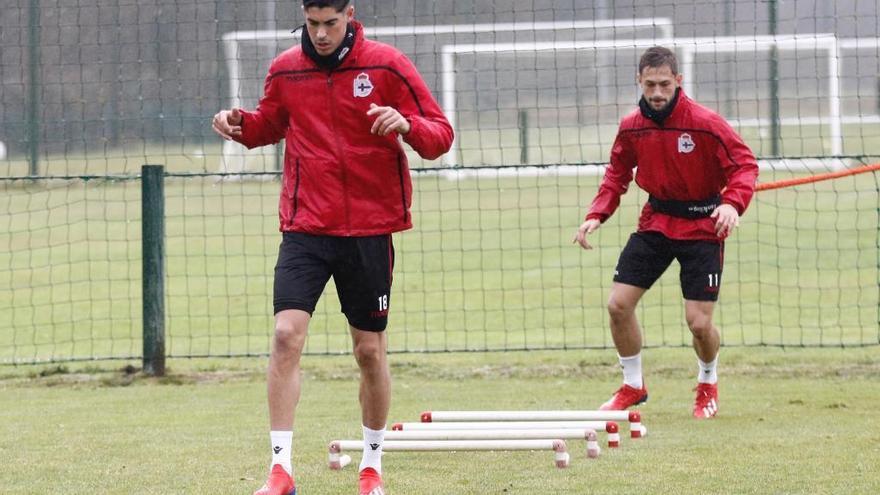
pixel 700 178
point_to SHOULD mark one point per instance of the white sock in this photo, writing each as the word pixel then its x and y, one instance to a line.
pixel 373 440
pixel 632 370
pixel 282 444
pixel 708 371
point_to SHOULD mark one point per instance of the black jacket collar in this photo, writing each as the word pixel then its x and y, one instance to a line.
pixel 335 59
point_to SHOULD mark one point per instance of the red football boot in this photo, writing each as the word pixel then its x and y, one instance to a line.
pixel 706 403
pixel 371 483
pixel 279 483
pixel 624 398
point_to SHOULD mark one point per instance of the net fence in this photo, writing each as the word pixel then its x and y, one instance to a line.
pixel 94 89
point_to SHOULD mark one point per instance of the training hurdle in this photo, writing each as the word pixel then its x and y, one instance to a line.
pixel 636 429
pixel 561 434
pixel 609 427
pixel 338 460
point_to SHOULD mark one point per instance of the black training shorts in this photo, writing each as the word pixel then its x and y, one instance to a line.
pixel 360 266
pixel 648 254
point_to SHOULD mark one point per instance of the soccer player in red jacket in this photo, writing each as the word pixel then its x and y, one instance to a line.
pixel 700 178
pixel 342 103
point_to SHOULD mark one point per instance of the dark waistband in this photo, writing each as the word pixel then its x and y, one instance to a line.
pixel 685 209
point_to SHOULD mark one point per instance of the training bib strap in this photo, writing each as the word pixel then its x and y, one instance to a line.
pixel 685 209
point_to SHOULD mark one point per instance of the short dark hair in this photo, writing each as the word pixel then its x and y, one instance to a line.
pixel 339 5
pixel 657 56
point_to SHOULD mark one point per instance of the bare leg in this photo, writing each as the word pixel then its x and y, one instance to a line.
pixel 628 339
pixel 706 343
pixel 283 377
pixel 375 388
pixel 624 326
pixel 706 339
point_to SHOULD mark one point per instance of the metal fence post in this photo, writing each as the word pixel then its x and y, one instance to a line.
pixel 153 240
pixel 775 131
pixel 33 99
pixel 523 124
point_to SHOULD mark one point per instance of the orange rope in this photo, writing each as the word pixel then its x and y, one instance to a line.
pixel 816 178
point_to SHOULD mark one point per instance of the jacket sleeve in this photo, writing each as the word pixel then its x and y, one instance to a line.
pixel 618 175
pixel 740 168
pixel 430 133
pixel 268 123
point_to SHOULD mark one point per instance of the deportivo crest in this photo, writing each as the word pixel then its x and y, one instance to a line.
pixel 362 85
pixel 685 143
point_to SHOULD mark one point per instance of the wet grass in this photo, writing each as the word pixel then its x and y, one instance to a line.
pixel 791 421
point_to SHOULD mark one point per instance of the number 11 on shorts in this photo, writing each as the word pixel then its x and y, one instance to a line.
pixel 713 280
pixel 383 302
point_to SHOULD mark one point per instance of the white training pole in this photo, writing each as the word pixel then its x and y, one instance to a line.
pixel 558 446
pixel 450 416
pixel 633 417
pixel 608 426
pixel 505 425
pixel 564 434
pixel 444 445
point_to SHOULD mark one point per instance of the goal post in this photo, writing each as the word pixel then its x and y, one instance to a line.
pixel 735 44
pixel 246 83
pixel 688 48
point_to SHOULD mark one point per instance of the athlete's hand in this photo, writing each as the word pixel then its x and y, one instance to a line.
pixel 586 228
pixel 388 119
pixel 227 123
pixel 726 218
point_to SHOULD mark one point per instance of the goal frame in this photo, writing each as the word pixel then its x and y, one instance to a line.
pixel 689 47
pixel 231 162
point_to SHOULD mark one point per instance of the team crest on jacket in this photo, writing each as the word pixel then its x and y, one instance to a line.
pixel 685 143
pixel 362 85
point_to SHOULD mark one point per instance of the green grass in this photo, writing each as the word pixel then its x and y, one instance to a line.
pixel 490 265
pixel 194 155
pixel 797 421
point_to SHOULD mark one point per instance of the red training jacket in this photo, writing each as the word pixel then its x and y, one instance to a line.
pixel 693 156
pixel 339 179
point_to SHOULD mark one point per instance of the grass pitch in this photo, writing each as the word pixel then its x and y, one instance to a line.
pixel 797 421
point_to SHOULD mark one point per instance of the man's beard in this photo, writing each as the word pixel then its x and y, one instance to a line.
pixel 665 103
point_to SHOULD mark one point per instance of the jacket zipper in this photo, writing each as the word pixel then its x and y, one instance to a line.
pixel 402 189
pixel 340 153
pixel 295 194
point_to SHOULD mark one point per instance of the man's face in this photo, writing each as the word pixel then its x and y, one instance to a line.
pixel 658 85
pixel 326 27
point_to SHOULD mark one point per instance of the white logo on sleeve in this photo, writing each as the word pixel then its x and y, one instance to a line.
pixel 685 143
pixel 362 85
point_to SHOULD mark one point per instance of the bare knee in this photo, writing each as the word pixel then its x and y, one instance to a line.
pixel 700 325
pixel 289 339
pixel 619 311
pixel 369 353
